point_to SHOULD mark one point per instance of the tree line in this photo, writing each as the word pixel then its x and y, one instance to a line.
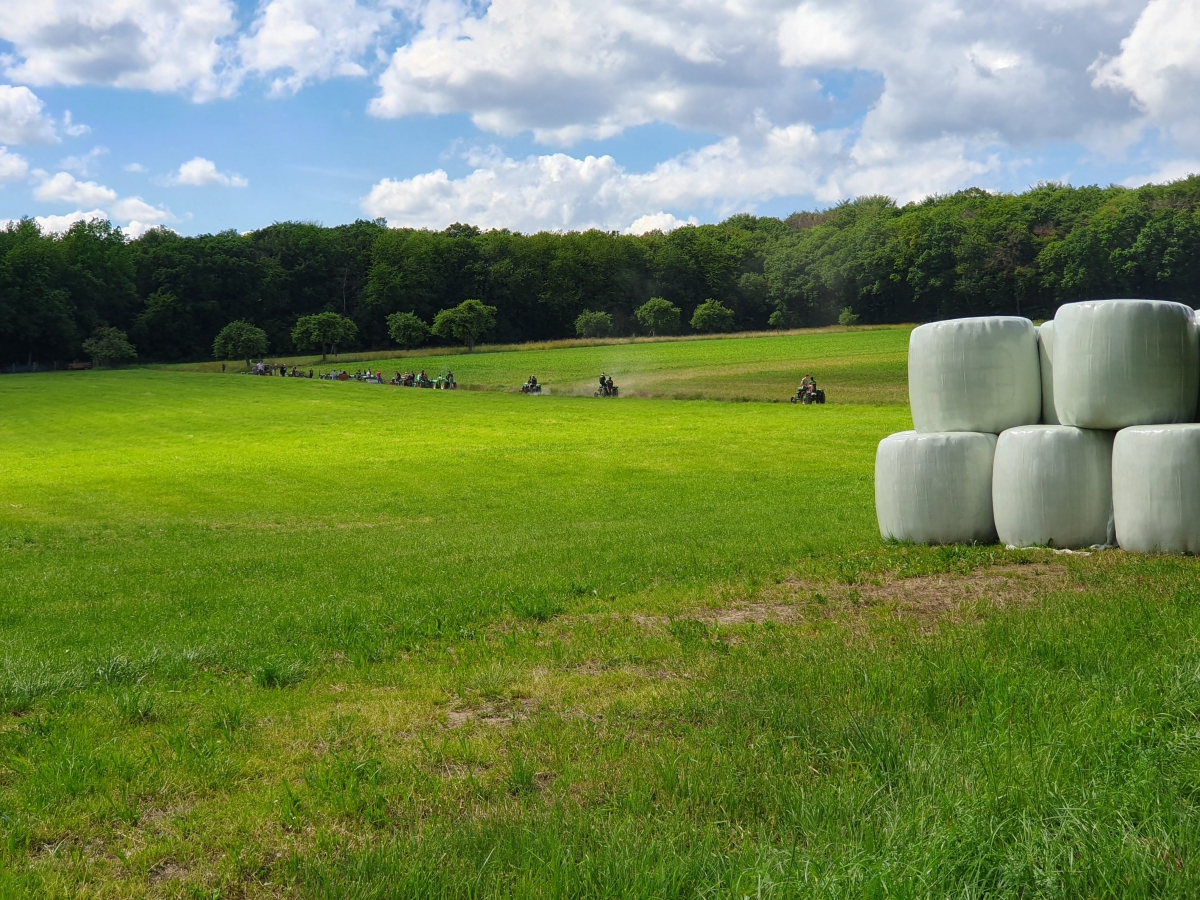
pixel 169 297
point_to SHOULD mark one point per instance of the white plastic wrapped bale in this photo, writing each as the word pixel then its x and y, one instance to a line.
pixel 974 375
pixel 1156 488
pixel 1046 356
pixel 1125 362
pixel 935 488
pixel 1052 485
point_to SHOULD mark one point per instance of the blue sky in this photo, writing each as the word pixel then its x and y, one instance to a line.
pixel 204 115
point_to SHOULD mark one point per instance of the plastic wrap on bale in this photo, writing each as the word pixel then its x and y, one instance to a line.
pixel 1046 356
pixel 1052 486
pixel 978 375
pixel 1125 362
pixel 1156 488
pixel 935 488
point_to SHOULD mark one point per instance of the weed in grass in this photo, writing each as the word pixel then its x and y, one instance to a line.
pixel 274 673
pixel 134 704
pixel 522 775
pixel 538 607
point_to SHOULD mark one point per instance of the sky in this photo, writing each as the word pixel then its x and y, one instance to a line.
pixel 625 115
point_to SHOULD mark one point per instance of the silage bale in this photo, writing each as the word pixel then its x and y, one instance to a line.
pixel 978 375
pixel 1052 485
pixel 1046 357
pixel 1125 362
pixel 935 488
pixel 1156 488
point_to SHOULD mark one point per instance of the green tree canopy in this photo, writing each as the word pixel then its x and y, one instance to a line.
pixel 109 345
pixel 467 322
pixel 324 331
pixel 711 317
pixel 658 316
pixel 592 324
pixel 240 340
pixel 407 329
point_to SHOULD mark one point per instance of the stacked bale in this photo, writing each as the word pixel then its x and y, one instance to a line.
pixel 969 380
pixel 1111 382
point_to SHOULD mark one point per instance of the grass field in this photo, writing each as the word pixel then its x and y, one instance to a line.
pixel 273 637
pixel 859 366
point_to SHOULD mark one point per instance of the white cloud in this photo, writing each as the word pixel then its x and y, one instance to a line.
pixel 82 165
pixel 1171 170
pixel 311 39
pixel 199 172
pixel 12 166
pixel 74 129
pixel 562 192
pixel 134 214
pixel 139 216
pixel 155 45
pixel 565 70
pixel 659 221
pixel 1159 66
pixel 21 117
pixel 59 224
pixel 135 167
pixel 64 188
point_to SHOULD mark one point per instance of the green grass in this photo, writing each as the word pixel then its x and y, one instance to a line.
pixel 269 638
pixel 859 366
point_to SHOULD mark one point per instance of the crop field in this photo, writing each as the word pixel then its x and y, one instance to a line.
pixel 860 366
pixel 286 638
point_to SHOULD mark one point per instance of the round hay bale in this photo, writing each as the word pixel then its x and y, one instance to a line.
pixel 1125 362
pixel 1046 357
pixel 974 375
pixel 1156 488
pixel 935 488
pixel 1052 485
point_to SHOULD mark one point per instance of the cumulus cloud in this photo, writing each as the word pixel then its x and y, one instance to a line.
pixel 134 214
pixel 1171 170
pixel 21 118
pixel 1159 67
pixel 83 164
pixel 565 70
pixel 59 224
pixel 155 45
pixel 311 39
pixel 73 128
pixel 558 191
pixel 199 172
pixel 659 221
pixel 12 166
pixel 64 188
pixel 139 216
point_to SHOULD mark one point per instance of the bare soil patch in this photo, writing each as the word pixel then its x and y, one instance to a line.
pixel 926 596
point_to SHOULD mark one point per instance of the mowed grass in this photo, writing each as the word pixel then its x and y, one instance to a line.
pixel 857 366
pixel 270 637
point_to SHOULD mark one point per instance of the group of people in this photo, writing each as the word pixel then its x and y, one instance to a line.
pixel 276 369
pixel 441 382
pixel 607 388
pixel 359 375
pixel 808 392
pixel 531 386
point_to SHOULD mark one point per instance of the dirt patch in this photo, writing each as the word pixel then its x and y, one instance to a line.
pixel 493 715
pixel 924 596
pixel 168 870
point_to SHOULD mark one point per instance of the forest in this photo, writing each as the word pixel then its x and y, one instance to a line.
pixel 969 253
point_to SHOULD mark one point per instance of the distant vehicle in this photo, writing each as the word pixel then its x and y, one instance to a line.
pixel 808 394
